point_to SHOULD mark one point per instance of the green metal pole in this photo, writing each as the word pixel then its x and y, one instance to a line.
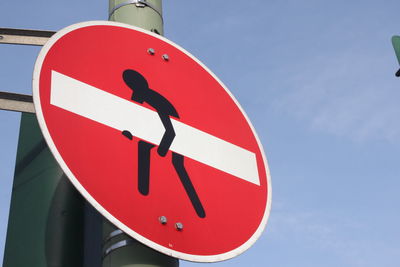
pixel 119 249
pixel 45 226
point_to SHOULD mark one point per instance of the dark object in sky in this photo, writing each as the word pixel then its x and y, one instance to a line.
pixel 396 46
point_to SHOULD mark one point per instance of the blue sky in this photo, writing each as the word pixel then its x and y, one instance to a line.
pixel 317 80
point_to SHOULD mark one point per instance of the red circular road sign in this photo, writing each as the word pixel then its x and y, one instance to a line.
pixel 153 140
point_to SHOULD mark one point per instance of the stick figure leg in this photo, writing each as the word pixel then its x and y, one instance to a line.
pixel 144 149
pixel 177 161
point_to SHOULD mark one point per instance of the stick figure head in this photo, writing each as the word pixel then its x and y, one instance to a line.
pixel 137 83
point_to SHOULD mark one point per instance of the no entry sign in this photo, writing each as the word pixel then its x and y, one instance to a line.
pixel 153 140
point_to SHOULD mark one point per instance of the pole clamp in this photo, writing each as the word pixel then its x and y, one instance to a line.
pixel 120 244
pixel 137 3
pixel 112 235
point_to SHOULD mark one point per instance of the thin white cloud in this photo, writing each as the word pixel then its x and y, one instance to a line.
pixel 344 238
pixel 351 94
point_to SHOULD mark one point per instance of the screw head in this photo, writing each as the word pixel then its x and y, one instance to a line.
pixel 163 219
pixel 179 226
pixel 151 51
pixel 165 57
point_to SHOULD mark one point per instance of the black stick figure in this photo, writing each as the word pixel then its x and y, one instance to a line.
pixel 142 93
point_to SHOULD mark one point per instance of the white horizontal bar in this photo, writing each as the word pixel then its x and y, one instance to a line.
pixel 121 114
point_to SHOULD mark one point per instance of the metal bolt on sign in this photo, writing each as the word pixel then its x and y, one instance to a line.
pixel 165 57
pixel 151 51
pixel 179 226
pixel 163 219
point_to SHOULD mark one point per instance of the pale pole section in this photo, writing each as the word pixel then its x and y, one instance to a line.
pixel 119 250
pixel 143 14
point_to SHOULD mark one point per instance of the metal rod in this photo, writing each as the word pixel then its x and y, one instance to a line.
pixel 24 36
pixel 16 102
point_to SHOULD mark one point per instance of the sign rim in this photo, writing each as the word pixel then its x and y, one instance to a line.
pixel 184 256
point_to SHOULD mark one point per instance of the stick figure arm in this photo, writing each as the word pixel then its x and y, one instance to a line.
pixel 168 136
pixel 127 134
